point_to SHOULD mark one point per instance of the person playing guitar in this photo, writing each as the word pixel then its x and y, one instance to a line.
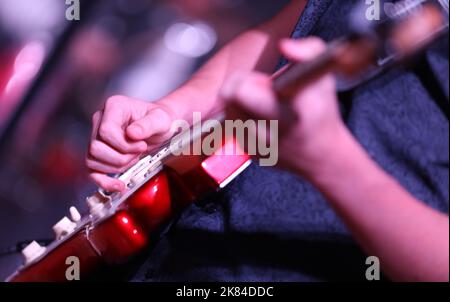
pixel 374 160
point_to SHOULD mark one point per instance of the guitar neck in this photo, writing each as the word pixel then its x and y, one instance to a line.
pixel 402 35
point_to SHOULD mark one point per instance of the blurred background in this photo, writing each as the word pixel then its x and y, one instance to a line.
pixel 55 73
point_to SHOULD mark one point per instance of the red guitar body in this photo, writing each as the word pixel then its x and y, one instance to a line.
pixel 129 230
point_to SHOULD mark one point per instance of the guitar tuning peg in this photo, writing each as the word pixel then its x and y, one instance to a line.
pixel 64 227
pixel 95 203
pixel 74 214
pixel 32 251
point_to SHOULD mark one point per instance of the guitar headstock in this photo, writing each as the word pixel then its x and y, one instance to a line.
pixel 403 30
pixel 418 29
pixel 407 28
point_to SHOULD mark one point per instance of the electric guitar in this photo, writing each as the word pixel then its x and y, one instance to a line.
pixel 121 225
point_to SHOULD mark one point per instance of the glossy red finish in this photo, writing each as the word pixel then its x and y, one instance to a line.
pixel 151 205
pixel 225 162
pixel 52 268
pixel 118 238
pixel 127 232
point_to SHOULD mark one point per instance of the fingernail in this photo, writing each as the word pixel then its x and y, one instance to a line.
pixel 143 147
pixel 117 187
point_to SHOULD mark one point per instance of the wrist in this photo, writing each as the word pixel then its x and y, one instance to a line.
pixel 175 104
pixel 186 100
pixel 345 162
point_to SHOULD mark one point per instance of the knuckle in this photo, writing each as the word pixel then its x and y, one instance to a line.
pixel 88 163
pixel 94 148
pixel 240 92
pixel 122 161
pixel 95 116
pixel 123 147
pixel 114 170
pixel 156 113
pixel 114 101
pixel 163 118
pixel 104 131
pixel 121 170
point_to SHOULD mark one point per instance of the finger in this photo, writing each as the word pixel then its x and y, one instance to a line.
pixel 106 182
pixel 113 135
pixel 108 169
pixel 260 133
pixel 157 141
pixel 253 94
pixel 96 118
pixel 306 50
pixel 111 130
pixel 302 50
pixel 102 152
pixel 155 122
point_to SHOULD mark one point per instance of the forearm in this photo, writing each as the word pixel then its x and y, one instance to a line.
pixel 411 239
pixel 200 92
pixel 256 49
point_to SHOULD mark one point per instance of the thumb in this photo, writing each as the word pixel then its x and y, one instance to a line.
pixel 157 121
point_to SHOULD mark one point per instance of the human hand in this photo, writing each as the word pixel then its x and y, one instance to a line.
pixel 311 124
pixel 122 132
